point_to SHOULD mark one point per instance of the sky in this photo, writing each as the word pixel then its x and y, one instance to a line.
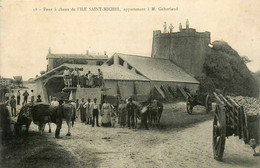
pixel 26 34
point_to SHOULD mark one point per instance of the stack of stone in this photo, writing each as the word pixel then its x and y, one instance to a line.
pixel 251 105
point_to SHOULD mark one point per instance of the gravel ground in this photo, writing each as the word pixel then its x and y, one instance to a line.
pixel 181 140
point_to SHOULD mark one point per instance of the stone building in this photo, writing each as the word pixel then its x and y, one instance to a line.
pixel 124 76
pixel 55 60
pixel 186 48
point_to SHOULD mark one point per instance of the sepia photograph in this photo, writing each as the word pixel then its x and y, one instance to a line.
pixel 129 84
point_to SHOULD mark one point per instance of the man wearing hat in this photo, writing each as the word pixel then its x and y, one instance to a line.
pixel 130 109
pixel 39 98
pixel 13 106
pixel 25 97
pixel 96 110
pixel 67 77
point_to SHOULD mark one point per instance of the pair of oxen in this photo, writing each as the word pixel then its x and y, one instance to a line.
pixel 148 112
pixel 43 113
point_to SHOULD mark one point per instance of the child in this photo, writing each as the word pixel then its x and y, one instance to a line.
pixel 113 118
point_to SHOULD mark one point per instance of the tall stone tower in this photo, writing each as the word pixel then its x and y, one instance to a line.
pixel 186 48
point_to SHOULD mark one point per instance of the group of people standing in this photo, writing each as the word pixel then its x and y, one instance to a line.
pixel 74 77
pixel 90 111
pixel 13 100
pixel 171 27
pixel 127 113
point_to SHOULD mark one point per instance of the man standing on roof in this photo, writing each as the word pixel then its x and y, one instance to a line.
pixel 130 109
pixel 171 28
pixel 187 24
pixel 180 27
pixel 89 79
pixel 75 75
pixel 100 77
pixel 66 77
pixel 82 81
pixel 165 28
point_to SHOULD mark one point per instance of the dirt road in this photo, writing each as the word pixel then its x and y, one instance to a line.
pixel 189 147
pixel 166 146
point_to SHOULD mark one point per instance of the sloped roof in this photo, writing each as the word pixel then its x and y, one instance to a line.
pixel 114 72
pixel 157 69
pixel 78 56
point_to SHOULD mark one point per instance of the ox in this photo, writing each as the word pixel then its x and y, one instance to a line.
pixel 155 109
pixel 42 113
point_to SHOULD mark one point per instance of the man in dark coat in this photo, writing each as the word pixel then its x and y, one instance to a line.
pixel 96 110
pixel 13 106
pixel 130 109
pixel 18 96
pixel 25 97
pixel 59 116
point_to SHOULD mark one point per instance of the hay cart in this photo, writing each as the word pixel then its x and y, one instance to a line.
pixel 198 99
pixel 231 119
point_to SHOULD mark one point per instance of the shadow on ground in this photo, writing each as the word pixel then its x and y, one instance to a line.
pixel 176 116
pixel 34 150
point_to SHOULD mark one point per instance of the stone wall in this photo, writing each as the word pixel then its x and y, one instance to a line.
pixel 186 48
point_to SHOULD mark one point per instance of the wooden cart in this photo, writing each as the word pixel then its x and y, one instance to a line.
pixel 230 119
pixel 198 99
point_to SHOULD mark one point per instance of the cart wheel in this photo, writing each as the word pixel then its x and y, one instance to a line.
pixel 208 104
pixel 219 133
pixel 188 105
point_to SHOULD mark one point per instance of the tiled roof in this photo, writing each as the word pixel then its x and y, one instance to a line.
pixel 157 69
pixel 78 56
pixel 114 72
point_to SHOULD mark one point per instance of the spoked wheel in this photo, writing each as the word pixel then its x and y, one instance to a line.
pixel 188 105
pixel 208 104
pixel 219 133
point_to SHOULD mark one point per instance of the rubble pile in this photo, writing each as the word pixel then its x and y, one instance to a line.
pixel 251 105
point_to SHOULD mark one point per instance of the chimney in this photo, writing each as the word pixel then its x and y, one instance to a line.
pixel 87 52
pixel 105 53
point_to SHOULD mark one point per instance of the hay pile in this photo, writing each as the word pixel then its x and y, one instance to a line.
pixel 225 68
pixel 251 105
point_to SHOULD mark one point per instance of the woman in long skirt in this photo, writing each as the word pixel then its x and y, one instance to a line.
pixel 122 113
pixel 106 111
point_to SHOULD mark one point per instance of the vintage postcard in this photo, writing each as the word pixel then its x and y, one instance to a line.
pixel 115 83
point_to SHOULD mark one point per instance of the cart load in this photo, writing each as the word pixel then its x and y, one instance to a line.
pixel 251 105
pixel 235 116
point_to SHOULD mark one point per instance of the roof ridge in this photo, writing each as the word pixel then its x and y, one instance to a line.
pixel 143 56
